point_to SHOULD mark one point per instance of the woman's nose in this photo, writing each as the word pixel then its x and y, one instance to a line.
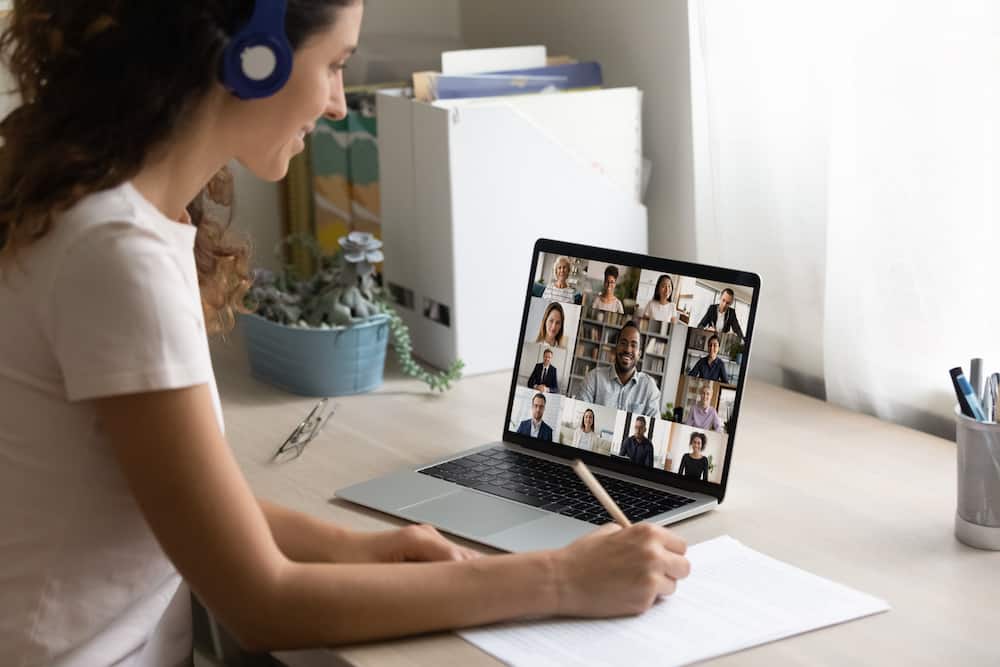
pixel 336 106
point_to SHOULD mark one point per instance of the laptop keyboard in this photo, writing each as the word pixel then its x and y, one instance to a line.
pixel 552 486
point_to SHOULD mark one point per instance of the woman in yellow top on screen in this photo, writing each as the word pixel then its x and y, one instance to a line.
pixel 661 306
pixel 550 331
pixel 559 289
pixel 125 492
pixel 607 300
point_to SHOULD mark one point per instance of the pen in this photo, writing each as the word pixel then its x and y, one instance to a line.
pixel 995 396
pixel 989 397
pixel 996 408
pixel 976 375
pixel 583 472
pixel 959 395
pixel 971 407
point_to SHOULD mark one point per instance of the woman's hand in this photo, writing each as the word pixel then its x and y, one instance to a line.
pixel 615 571
pixel 412 543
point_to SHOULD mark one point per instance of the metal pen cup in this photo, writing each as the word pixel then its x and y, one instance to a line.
pixel 977 515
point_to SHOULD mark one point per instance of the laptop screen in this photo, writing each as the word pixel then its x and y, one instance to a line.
pixel 633 363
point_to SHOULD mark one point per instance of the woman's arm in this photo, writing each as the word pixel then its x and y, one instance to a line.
pixel 197 503
pixel 306 539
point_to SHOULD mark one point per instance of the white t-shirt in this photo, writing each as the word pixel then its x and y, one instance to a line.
pixel 583 440
pixel 661 312
pixel 613 307
pixel 564 294
pixel 107 303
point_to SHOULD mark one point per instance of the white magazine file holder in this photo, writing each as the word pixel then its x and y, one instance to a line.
pixel 467 187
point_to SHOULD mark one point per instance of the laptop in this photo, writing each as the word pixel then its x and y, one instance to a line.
pixel 629 362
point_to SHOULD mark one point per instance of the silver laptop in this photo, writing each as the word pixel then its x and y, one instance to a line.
pixel 634 364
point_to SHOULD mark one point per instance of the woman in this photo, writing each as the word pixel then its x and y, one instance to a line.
pixel 584 437
pixel 702 414
pixel 661 307
pixel 550 331
pixel 695 464
pixel 559 289
pixel 607 300
pixel 111 274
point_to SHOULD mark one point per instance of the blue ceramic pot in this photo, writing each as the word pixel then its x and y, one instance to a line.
pixel 317 362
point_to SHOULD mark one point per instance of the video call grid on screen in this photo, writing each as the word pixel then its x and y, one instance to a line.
pixel 677 333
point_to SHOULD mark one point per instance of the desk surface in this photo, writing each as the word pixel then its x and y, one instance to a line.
pixel 846 496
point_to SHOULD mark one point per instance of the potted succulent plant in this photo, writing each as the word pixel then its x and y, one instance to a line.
pixel 326 335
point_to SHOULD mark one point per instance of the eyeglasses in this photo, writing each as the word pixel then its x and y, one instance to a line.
pixel 307 429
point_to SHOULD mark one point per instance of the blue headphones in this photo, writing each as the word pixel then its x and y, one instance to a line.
pixel 257 61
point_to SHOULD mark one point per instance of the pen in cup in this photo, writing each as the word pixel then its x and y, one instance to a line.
pixel 996 407
pixel 976 375
pixel 970 403
pixel 991 397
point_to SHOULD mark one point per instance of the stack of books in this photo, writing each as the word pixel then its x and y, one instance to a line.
pixel 505 71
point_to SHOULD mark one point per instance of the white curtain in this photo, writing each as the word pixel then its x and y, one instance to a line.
pixel 848 152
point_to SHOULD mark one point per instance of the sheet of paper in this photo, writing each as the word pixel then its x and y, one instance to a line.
pixel 477 61
pixel 735 598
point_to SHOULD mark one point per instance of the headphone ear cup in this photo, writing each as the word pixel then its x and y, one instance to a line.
pixel 257 61
pixel 256 65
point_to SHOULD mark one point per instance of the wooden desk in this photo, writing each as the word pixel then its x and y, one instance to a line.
pixel 842 495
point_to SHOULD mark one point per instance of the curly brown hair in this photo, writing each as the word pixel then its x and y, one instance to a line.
pixel 100 88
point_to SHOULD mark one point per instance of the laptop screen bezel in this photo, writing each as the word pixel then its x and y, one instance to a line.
pixel 621 258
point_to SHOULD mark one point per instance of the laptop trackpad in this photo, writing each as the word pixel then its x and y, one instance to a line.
pixel 470 514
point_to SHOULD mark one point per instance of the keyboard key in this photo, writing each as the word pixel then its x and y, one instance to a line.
pixel 510 495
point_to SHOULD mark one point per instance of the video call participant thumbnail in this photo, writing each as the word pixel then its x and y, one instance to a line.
pixel 721 317
pixel 711 367
pixel 585 434
pixel 622 385
pixel 544 376
pixel 559 289
pixel 695 464
pixel 607 300
pixel 535 427
pixel 661 305
pixel 702 414
pixel 637 447
pixel 552 329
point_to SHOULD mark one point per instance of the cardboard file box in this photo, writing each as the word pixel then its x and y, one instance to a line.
pixel 467 187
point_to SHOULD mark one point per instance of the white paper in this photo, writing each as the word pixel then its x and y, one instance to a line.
pixel 734 598
pixel 477 61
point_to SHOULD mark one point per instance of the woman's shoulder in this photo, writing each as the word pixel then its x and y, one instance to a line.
pixel 98 228
pixel 122 214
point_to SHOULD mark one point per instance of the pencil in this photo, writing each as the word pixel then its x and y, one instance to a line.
pixel 581 469
pixel 996 410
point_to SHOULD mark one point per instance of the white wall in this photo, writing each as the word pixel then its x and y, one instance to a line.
pixel 639 42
